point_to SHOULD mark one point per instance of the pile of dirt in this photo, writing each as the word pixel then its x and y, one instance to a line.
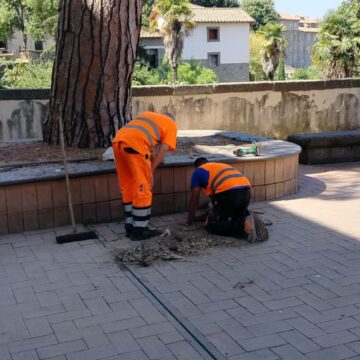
pixel 37 152
pixel 183 241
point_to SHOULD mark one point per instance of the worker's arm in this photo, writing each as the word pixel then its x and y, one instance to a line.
pixel 160 156
pixel 193 204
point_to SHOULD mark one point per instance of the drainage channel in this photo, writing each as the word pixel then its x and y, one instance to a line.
pixel 190 333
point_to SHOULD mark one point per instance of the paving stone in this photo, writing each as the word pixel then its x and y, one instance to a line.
pixel 60 349
pixel 99 352
pixel 123 324
pixel 171 337
pixel 184 351
pixel 262 342
pixel 338 325
pixel 154 329
pixel 288 352
pixel 269 328
pixel 334 353
pixel 305 327
pixel 94 337
pixel 153 347
pixel 282 303
pixel 32 343
pixel 299 341
pixel 26 355
pixel 69 315
pixel 38 327
pixel 135 355
pixel 233 328
pixel 4 352
pixel 338 338
pixel 225 344
pixel 123 342
pixel 66 331
pixel 97 306
pixel 256 355
pixel 251 304
pixel 147 311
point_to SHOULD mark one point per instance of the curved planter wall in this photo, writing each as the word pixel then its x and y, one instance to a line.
pixel 35 197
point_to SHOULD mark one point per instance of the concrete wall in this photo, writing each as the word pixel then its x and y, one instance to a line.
pixel 269 109
pixel 22 113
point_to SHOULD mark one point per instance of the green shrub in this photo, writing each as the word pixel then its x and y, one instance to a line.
pixel 28 75
pixel 188 73
pixel 307 73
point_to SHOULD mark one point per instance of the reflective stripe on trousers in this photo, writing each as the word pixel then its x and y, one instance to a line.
pixel 128 213
pixel 141 216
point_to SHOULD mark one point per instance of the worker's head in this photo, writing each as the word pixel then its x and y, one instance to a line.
pixel 200 161
pixel 169 115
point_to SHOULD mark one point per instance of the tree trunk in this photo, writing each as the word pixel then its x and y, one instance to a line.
pixel 175 74
pixel 91 84
pixel 24 41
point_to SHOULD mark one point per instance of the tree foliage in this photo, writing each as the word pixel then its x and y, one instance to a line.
pixel 337 51
pixel 307 73
pixel 188 73
pixel 216 3
pixel 262 11
pixel 147 8
pixel 256 70
pixel 281 75
pixel 177 24
pixel 32 17
pixel 273 47
pixel 26 75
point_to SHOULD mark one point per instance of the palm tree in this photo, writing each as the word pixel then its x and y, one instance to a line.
pixel 273 47
pixel 177 24
pixel 337 51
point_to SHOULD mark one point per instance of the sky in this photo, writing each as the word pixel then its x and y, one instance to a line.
pixel 311 8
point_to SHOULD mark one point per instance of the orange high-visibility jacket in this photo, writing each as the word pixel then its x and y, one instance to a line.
pixel 147 131
pixel 223 177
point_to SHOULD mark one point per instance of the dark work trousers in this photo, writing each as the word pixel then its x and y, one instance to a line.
pixel 230 211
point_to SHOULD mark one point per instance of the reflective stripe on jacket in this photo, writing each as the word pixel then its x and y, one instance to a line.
pixel 145 132
pixel 223 177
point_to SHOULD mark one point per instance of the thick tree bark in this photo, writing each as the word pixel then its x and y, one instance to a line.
pixel 91 85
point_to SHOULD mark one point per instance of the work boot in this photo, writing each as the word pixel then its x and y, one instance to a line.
pixel 139 233
pixel 249 228
pixel 128 229
pixel 262 232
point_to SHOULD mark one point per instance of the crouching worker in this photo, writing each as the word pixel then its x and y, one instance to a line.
pixel 229 192
pixel 133 148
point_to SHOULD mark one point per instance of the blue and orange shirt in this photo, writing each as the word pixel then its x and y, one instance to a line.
pixel 215 178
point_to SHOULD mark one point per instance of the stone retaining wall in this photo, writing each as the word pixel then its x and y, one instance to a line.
pixel 271 109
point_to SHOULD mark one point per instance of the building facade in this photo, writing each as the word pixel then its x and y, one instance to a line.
pixel 220 40
pixel 301 35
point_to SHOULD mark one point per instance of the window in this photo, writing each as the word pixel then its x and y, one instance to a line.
pixel 39 45
pixel 213 34
pixel 213 59
pixel 2 44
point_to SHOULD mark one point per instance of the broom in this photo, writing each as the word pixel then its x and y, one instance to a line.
pixel 75 235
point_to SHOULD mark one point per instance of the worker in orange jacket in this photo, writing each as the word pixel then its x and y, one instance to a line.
pixel 133 147
pixel 229 192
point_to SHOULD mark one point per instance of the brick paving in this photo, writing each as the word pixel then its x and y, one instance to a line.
pixel 296 296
